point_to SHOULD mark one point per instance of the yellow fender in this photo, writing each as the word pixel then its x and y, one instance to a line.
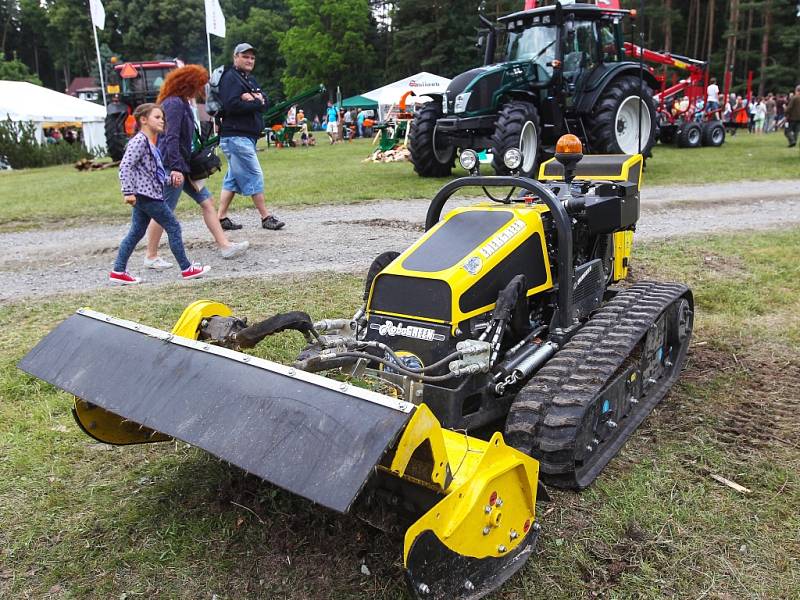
pixel 489 513
pixel 421 429
pixel 188 324
pixel 483 531
pixel 109 428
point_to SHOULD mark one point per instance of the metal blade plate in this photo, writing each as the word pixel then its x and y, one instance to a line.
pixel 313 436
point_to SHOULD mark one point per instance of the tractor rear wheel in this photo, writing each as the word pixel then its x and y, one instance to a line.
pixel 429 160
pixel 116 138
pixel 690 136
pixel 517 127
pixel 625 107
pixel 713 133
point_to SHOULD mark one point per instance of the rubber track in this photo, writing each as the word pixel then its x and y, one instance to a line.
pixel 547 413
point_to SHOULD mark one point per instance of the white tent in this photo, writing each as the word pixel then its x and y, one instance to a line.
pixel 422 83
pixel 22 101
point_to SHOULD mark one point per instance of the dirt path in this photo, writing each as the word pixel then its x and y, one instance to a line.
pixel 347 238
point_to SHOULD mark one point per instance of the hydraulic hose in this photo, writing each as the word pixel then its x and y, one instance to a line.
pixel 381 346
pixel 397 367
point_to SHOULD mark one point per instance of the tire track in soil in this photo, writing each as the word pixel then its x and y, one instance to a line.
pixel 763 406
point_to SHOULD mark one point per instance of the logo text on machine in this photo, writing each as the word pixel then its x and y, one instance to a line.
pixel 409 331
pixel 501 238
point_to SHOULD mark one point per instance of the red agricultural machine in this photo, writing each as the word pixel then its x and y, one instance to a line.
pixel 683 115
pixel 131 84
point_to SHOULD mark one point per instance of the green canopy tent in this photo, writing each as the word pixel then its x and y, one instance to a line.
pixel 359 102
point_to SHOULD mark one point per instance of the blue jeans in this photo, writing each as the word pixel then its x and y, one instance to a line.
pixel 173 194
pixel 144 210
pixel 244 174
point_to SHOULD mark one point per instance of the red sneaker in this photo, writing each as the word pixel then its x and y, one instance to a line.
pixel 195 271
pixel 123 278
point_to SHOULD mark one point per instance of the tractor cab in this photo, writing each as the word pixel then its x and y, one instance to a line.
pixel 141 81
pixel 575 44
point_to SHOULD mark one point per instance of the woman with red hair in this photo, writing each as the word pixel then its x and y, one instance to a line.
pixel 176 98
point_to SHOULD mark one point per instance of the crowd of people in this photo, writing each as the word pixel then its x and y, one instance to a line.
pixel 339 124
pixel 344 124
pixel 760 114
pixel 54 135
pixel 156 168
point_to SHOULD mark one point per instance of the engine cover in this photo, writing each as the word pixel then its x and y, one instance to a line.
pixel 456 270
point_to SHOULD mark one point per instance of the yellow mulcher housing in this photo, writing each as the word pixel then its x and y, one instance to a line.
pixel 502 316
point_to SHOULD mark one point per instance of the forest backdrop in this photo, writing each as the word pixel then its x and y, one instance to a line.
pixel 362 44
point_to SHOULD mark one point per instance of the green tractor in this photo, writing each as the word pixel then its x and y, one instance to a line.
pixel 564 71
pixel 131 84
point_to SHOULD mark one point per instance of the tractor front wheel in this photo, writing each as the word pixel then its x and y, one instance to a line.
pixel 624 113
pixel 116 138
pixel 429 158
pixel 517 127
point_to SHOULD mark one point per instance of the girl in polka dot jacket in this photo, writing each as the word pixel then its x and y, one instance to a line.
pixel 142 176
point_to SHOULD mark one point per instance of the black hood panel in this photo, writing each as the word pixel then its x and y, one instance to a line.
pixel 459 82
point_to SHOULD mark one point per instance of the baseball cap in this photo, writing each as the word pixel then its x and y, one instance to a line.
pixel 243 47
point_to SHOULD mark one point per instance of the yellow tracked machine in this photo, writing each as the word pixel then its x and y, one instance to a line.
pixel 507 315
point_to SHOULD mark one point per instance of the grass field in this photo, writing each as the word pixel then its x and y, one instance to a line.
pixel 83 520
pixel 336 175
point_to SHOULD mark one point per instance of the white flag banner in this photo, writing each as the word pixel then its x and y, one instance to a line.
pixel 98 13
pixel 215 20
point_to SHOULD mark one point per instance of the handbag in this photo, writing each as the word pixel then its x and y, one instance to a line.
pixel 204 161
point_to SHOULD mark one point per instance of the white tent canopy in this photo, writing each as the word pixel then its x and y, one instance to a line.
pixel 421 84
pixel 22 101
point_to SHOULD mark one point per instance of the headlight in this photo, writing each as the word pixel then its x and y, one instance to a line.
pixel 444 104
pixel 512 158
pixel 468 159
pixel 460 104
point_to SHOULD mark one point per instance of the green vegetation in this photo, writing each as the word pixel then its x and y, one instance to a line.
pixel 362 44
pixel 16 70
pixel 21 149
pixel 329 42
pixel 83 520
pixel 336 175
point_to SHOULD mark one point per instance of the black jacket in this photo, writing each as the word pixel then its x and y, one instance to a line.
pixel 240 118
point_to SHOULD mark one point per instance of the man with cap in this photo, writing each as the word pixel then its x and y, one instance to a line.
pixel 243 106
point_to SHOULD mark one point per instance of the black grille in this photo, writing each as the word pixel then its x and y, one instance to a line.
pixel 483 91
pixel 589 284
pixel 412 296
